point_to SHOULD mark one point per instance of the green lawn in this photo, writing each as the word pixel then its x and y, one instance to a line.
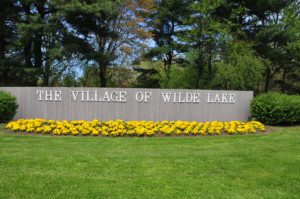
pixel 251 166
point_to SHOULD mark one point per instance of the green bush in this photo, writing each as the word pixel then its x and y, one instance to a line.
pixel 276 109
pixel 8 106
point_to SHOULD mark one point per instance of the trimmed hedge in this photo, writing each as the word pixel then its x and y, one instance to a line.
pixel 8 106
pixel 276 109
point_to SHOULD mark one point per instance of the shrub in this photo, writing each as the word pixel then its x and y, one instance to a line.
pixel 276 109
pixel 8 106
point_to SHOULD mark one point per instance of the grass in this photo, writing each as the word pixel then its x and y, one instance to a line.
pixel 251 166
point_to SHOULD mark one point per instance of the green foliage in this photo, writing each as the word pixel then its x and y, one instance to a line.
pixel 194 44
pixel 106 31
pixel 167 26
pixel 177 78
pixel 41 37
pixel 276 109
pixel 116 77
pixel 151 74
pixel 206 37
pixel 8 106
pixel 120 77
pixel 240 70
pixel 90 76
pixel 11 66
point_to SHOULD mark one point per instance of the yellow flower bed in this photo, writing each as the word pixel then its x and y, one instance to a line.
pixel 133 128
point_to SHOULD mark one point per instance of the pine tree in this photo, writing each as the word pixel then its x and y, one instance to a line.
pixel 103 30
pixel 41 36
pixel 167 26
pixel 11 67
pixel 206 38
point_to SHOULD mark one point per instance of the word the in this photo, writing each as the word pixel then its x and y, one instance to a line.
pixel 49 95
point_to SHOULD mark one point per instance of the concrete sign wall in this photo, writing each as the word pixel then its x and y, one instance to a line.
pixel 61 103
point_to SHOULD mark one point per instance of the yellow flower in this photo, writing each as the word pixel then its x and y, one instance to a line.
pixel 95 132
pixel 140 128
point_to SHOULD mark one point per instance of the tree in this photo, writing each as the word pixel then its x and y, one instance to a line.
pixel 106 29
pixel 206 37
pixel 41 36
pixel 117 76
pixel 271 27
pixel 241 69
pixel 272 37
pixel 149 74
pixel 11 67
pixel 167 26
pixel 290 48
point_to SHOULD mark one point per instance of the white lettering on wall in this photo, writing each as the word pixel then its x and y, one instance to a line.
pixel 75 95
pixel 82 96
pixel 166 97
pixel 49 95
pixel 143 96
pixel 181 97
pixel 120 96
pixel 232 98
pixel 196 97
pixel 189 97
pixel 57 96
pixel 147 96
pixel 224 98
pixel 96 96
pixel 89 98
pixel 40 93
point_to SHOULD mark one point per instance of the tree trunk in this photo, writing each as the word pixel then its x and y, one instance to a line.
pixel 267 79
pixel 2 49
pixel 46 81
pixel 209 64
pixel 103 63
pixel 283 81
pixel 168 65
pixel 102 75
pixel 46 73
pixel 200 70
pixel 2 39
pixel 27 53
pixel 28 43
pixel 38 55
pixel 169 54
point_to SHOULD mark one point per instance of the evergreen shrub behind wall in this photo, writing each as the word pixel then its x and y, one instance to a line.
pixel 8 106
pixel 276 109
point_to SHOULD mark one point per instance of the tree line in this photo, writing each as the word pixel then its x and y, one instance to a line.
pixel 195 44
